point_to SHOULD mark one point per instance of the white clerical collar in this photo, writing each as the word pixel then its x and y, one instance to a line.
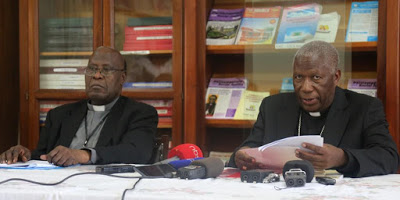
pixel 315 114
pixel 99 108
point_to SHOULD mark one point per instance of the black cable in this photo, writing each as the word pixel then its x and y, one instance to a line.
pixel 133 187
pixel 66 178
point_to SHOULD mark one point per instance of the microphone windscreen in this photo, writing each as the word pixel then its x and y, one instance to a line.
pixel 186 151
pixel 182 163
pixel 304 165
pixel 214 166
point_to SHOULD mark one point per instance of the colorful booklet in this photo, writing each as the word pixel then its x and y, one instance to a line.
pixel 249 105
pixel 327 27
pixel 298 24
pixel 223 96
pixel 363 86
pixel 363 22
pixel 223 25
pixel 258 25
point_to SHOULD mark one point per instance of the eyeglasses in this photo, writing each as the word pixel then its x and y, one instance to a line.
pixel 105 71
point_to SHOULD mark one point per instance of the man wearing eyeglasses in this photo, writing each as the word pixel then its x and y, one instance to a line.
pixel 105 128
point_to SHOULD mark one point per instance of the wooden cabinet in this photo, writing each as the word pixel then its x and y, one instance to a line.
pixel 65 32
pixel 265 66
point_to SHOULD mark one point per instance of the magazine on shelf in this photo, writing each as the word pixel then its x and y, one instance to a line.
pixel 249 105
pixel 363 22
pixel 275 154
pixel 258 25
pixel 363 86
pixel 287 85
pixel 223 96
pixel 298 25
pixel 327 28
pixel 223 26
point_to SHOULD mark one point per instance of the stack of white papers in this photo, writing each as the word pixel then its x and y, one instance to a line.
pixel 274 155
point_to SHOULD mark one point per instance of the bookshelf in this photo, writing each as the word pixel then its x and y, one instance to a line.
pixel 360 60
pixel 100 23
pixel 194 62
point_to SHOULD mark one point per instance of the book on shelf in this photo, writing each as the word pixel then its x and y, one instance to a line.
pixel 223 26
pixel 223 96
pixel 166 84
pixel 287 85
pixel 274 155
pixel 258 25
pixel 163 107
pixel 148 21
pixel 62 77
pixel 67 22
pixel 149 30
pixel 164 121
pixel 363 22
pixel 298 25
pixel 249 105
pixel 363 86
pixel 46 105
pixel 155 37
pixel 59 84
pixel 66 34
pixel 69 30
pixel 63 62
pixel 61 70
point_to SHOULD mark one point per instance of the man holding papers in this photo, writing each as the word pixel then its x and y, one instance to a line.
pixel 357 141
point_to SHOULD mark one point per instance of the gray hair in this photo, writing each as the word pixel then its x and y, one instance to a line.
pixel 323 50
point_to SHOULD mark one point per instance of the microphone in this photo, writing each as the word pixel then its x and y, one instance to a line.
pixel 204 168
pixel 182 152
pixel 186 151
pixel 297 172
pixel 182 163
pixel 304 165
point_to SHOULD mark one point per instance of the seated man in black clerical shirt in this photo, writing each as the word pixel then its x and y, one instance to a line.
pixel 354 128
pixel 105 128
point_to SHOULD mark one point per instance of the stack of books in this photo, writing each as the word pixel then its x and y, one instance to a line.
pixel 66 34
pixel 151 33
pixel 62 73
pixel 164 111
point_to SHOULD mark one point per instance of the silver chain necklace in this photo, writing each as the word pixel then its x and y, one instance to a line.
pixel 299 127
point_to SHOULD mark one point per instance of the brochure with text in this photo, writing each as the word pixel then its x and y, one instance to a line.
pixel 223 96
pixel 363 22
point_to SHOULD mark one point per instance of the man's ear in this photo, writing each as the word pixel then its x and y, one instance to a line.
pixel 338 74
pixel 123 78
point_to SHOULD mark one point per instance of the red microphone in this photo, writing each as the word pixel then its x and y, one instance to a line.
pixel 186 151
pixel 182 152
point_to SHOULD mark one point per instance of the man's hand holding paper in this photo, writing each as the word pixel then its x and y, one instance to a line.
pixel 324 157
pixel 274 155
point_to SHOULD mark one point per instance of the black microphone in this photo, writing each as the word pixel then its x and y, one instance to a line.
pixel 296 169
pixel 205 168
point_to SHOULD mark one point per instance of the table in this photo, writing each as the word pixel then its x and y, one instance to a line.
pixel 102 187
